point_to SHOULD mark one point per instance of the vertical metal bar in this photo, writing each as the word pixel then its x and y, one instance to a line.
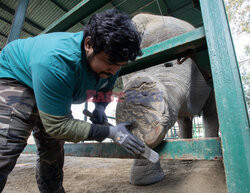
pixel 194 134
pixel 231 106
pixel 85 107
pixel 18 20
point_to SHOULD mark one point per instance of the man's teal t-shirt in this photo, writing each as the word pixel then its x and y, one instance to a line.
pixel 55 67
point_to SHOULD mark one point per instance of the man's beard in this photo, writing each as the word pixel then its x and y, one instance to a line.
pixel 90 58
pixel 107 74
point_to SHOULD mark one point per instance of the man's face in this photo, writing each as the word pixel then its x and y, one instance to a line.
pixel 100 63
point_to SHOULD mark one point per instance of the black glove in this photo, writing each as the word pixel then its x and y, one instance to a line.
pixel 99 116
pixel 123 137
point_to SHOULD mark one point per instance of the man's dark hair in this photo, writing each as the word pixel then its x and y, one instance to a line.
pixel 114 33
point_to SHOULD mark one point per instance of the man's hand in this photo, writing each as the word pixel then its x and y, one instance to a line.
pixel 122 136
pixel 99 116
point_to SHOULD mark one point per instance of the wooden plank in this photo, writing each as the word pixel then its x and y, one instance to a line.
pixel 183 149
pixel 231 106
pixel 75 15
pixel 167 50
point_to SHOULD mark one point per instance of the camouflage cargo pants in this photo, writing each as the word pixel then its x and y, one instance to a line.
pixel 18 118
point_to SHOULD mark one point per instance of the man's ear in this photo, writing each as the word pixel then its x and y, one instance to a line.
pixel 87 45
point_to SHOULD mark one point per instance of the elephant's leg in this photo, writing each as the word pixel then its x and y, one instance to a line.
pixel 143 103
pixel 185 127
pixel 210 117
pixel 143 172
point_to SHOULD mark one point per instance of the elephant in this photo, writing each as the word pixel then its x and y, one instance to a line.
pixel 158 97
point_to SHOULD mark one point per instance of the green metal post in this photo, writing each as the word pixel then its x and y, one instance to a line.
pixel 231 106
pixel 18 20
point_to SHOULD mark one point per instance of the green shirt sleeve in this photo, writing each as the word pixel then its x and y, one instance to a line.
pixel 53 88
pixel 65 127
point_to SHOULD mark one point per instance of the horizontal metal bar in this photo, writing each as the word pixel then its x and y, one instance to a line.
pixel 182 149
pixel 167 50
pixel 195 149
pixel 75 15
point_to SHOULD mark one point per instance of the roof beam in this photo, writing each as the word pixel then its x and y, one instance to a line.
pixel 6 8
pixel 9 22
pixel 141 8
pixel 17 23
pixel 75 15
pixel 62 8
pixel 59 5
pixel 167 7
pixel 5 20
pixel 2 34
pixel 12 12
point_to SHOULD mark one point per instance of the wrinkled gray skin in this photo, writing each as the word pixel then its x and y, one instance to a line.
pixel 185 93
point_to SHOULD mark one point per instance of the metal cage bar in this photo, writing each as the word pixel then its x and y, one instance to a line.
pixel 231 106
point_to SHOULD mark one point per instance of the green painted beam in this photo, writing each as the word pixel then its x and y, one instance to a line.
pixel 167 50
pixel 230 100
pixel 191 149
pixel 183 149
pixel 75 15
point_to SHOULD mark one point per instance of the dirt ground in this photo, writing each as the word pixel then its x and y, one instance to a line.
pixel 112 175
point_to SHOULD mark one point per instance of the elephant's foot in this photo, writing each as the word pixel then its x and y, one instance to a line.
pixel 143 103
pixel 144 172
